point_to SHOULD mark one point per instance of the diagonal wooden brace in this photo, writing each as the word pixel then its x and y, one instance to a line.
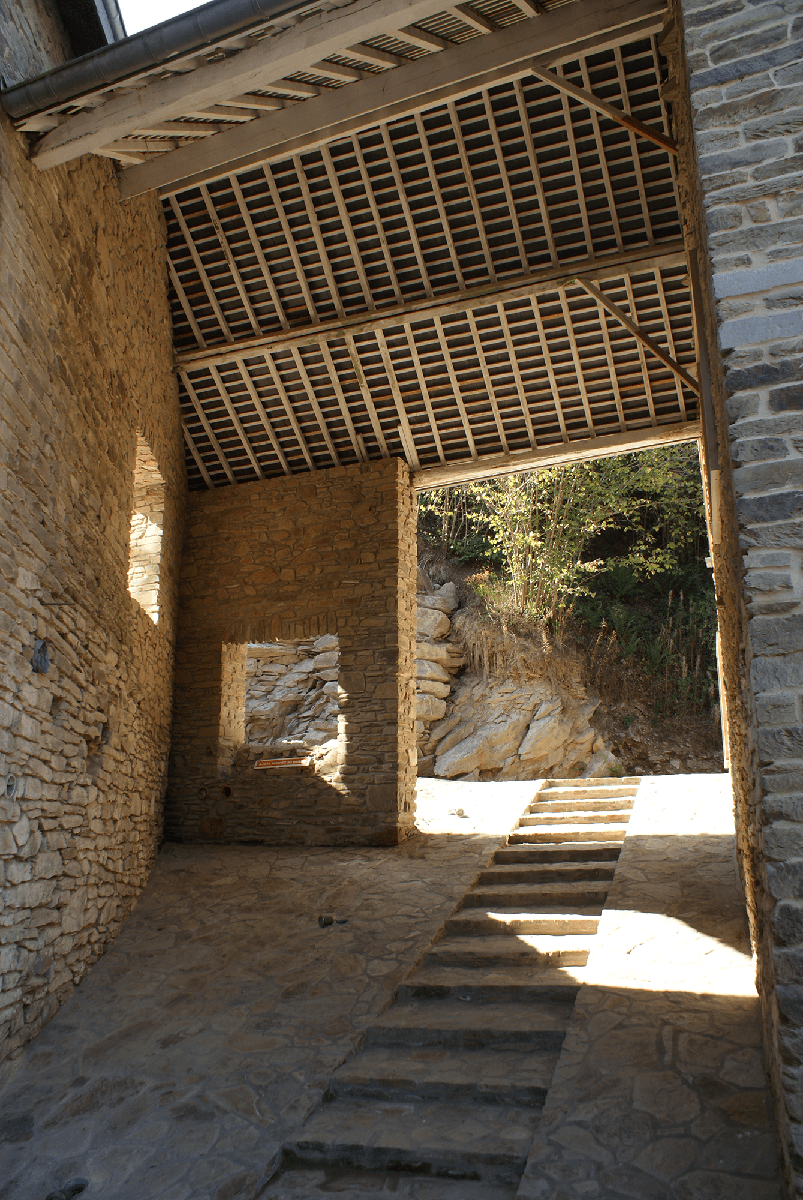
pixel 601 106
pixel 639 333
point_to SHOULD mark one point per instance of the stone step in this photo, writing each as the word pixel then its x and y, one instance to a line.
pixel 342 1184
pixel 608 832
pixel 586 784
pixel 475 923
pixel 448 1023
pixel 571 852
pixel 580 806
pixel 487 979
pixel 539 949
pixel 586 792
pixel 606 816
pixel 530 897
pixel 489 1143
pixel 545 872
pixel 442 1075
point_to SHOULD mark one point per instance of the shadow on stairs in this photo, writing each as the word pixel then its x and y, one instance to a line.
pixel 442 1100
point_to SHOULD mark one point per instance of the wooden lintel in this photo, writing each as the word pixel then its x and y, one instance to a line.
pixel 611 266
pixel 608 110
pixel 641 335
pixel 561 454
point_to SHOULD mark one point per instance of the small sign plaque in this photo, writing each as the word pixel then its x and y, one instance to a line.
pixel 271 764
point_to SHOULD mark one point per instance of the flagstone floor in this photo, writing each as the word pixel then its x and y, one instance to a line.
pixel 208 1032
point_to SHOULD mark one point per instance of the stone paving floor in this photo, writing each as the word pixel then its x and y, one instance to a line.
pixel 659 1092
pixel 207 1033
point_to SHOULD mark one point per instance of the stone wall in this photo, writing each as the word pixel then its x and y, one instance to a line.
pixel 290 560
pixel 85 361
pixel 741 168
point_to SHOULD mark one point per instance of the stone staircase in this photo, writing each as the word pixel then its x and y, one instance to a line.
pixel 442 1100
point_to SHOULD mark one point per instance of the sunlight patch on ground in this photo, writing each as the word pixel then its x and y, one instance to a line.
pixel 487 807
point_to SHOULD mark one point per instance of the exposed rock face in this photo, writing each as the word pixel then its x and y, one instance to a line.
pixel 291 692
pixel 473 727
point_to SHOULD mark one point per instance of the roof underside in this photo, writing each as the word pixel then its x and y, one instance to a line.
pixel 483 282
pixel 296 263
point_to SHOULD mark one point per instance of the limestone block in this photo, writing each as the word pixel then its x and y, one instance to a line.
pixel 483 750
pixel 424 583
pixel 328 642
pixel 22 830
pixel 431 623
pixel 435 601
pixel 602 766
pixel 431 687
pixel 425 669
pixel 545 735
pixel 429 708
pixel 440 652
pixel 73 917
pixel 448 592
pixel 328 659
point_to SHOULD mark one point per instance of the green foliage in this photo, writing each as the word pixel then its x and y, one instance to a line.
pixel 617 544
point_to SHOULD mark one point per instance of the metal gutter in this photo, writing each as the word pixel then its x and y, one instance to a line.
pixel 191 31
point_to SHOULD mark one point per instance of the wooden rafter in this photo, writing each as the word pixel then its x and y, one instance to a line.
pixel 641 335
pixel 448 286
pixel 601 106
pixel 460 70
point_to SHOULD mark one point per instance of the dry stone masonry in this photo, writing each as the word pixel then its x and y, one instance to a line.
pixel 291 693
pixel 86 679
pixel 298 559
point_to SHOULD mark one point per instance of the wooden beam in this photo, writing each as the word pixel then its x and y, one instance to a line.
pixel 286 52
pixel 601 106
pixel 641 335
pixel 569 31
pixel 612 266
pixel 581 450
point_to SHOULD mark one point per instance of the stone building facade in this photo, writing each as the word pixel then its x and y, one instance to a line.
pixel 85 369
pixel 740 126
pixel 87 688
pixel 331 553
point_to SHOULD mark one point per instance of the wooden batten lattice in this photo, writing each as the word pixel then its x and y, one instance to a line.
pixel 412 289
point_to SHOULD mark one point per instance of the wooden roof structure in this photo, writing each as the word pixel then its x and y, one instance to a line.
pixel 455 239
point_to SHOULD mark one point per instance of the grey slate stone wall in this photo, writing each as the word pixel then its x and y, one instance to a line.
pixel 745 68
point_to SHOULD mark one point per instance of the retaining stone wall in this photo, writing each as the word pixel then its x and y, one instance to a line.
pixel 85 360
pixel 745 176
pixel 289 560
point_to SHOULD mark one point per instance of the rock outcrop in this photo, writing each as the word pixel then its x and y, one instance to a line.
pixel 291 692
pixel 516 727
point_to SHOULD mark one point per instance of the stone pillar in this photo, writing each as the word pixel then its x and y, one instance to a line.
pixel 741 183
pixel 329 553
